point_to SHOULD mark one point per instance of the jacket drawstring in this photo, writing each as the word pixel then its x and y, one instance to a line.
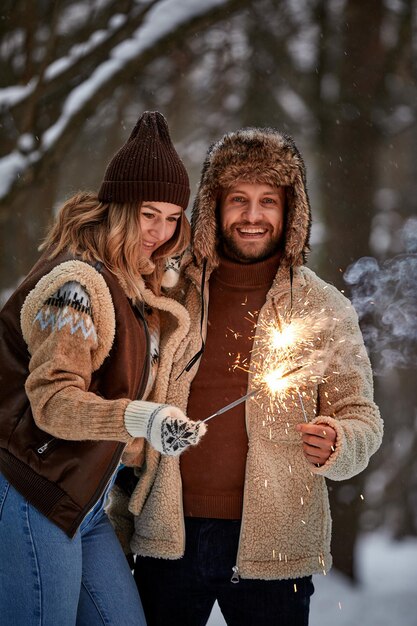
pixel 198 354
pixel 291 300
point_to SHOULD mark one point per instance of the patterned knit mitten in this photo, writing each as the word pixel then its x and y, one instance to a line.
pixel 164 426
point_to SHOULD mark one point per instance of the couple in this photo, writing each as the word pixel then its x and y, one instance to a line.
pixel 98 357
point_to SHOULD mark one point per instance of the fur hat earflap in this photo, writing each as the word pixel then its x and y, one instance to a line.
pixel 253 155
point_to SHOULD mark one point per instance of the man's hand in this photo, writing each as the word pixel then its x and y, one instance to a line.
pixel 318 442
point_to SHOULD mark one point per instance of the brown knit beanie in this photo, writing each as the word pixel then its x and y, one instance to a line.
pixel 147 167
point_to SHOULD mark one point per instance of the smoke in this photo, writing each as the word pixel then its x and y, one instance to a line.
pixel 385 298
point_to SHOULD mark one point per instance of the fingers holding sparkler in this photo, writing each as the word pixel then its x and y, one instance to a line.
pixel 319 441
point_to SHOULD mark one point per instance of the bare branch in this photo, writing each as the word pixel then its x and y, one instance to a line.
pixel 84 99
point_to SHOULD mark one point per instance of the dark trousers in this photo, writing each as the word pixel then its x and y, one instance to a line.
pixel 182 592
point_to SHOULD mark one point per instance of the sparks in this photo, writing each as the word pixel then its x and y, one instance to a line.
pixel 235 334
pixel 288 357
pixel 282 339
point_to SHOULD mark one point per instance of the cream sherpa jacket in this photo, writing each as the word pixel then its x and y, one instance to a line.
pixel 286 522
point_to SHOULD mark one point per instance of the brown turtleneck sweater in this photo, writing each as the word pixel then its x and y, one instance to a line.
pixel 213 472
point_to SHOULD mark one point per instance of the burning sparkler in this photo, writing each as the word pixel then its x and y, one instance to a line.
pixel 248 395
pixel 288 357
pixel 288 360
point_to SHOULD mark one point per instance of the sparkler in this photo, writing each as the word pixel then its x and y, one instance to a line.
pixel 302 405
pixel 248 395
pixel 288 360
pixel 289 357
pixel 231 405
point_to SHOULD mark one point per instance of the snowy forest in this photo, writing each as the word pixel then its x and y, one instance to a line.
pixel 338 75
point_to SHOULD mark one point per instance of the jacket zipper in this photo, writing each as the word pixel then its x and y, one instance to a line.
pixel 47 446
pixel 236 571
pixel 236 576
pixel 183 538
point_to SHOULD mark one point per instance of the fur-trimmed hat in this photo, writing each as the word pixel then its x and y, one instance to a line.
pixel 147 167
pixel 253 155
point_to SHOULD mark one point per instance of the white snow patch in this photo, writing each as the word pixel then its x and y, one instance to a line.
pixel 161 20
pixel 385 596
pixel 10 96
pixel 10 167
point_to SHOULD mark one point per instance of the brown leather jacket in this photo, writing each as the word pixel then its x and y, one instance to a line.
pixel 64 479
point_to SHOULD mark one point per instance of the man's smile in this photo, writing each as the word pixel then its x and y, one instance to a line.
pixel 249 232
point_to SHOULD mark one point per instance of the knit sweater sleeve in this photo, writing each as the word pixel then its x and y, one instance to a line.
pixel 68 323
pixel 346 397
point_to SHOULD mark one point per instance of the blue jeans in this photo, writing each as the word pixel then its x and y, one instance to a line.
pixel 182 592
pixel 47 579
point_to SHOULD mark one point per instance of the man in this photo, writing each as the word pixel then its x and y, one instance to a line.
pixel 244 517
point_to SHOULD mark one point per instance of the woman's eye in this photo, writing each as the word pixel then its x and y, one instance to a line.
pixel 269 200
pixel 238 199
pixel 148 216
pixel 172 219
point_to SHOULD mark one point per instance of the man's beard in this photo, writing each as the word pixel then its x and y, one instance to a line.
pixel 232 249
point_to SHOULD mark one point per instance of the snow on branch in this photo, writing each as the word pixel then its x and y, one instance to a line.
pixel 157 21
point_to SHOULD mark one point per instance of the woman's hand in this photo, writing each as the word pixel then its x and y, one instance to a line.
pixel 176 434
pixel 166 427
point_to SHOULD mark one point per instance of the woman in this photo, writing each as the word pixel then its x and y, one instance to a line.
pixel 75 374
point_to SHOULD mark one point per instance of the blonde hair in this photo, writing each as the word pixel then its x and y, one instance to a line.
pixel 111 233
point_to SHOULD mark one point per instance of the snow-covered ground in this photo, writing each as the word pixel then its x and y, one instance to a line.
pixel 387 595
